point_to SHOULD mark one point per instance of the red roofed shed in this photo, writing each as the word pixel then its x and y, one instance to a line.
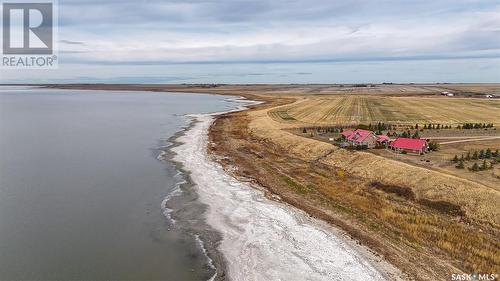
pixel 409 145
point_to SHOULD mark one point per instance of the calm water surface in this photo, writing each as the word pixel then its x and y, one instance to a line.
pixel 81 188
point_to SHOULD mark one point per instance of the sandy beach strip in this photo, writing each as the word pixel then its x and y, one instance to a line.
pixel 264 239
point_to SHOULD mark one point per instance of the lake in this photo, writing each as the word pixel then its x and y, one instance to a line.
pixel 81 187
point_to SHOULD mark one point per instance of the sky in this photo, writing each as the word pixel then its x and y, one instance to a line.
pixel 279 41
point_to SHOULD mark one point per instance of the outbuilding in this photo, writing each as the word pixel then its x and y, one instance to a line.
pixel 408 145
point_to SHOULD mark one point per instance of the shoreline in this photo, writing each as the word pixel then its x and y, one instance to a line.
pixel 367 265
pixel 182 207
pixel 174 206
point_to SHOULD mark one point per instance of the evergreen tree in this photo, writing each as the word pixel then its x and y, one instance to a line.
pixel 468 156
pixel 455 159
pixel 417 136
pixel 487 154
pixel 475 156
pixel 481 154
pixel 304 131
pixel 475 167
pixel 484 166
pixel 460 165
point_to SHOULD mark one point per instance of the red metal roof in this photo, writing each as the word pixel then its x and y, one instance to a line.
pixel 358 135
pixel 381 138
pixel 406 143
pixel 347 133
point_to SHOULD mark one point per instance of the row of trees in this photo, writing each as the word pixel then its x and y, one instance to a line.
pixel 405 134
pixel 464 126
pixel 323 129
pixel 379 127
pixel 476 155
pixel 467 126
pixel 475 167
pixel 435 126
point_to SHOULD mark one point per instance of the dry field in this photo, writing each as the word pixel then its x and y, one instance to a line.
pixel 355 109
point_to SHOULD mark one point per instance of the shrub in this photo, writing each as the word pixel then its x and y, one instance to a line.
pixel 488 153
pixel 484 166
pixel 433 146
pixel 474 167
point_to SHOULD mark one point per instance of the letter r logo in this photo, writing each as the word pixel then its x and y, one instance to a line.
pixel 27 28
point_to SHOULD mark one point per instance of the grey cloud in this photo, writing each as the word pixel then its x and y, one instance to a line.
pixel 71 42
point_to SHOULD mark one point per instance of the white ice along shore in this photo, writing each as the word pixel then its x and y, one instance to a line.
pixel 264 239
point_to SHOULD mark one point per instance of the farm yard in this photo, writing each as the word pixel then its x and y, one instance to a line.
pixel 442 161
pixel 355 109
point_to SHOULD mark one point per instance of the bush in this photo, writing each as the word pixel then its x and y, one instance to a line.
pixel 433 146
pixel 474 168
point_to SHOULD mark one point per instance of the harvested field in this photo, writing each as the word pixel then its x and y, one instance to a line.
pixel 366 109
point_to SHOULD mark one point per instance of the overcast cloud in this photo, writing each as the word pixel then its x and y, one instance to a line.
pixel 279 30
pixel 110 32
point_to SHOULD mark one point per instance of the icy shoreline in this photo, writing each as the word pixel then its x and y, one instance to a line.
pixel 264 239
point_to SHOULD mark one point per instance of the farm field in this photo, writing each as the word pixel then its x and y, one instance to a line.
pixel 355 109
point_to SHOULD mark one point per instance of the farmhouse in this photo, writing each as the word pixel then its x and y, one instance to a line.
pixel 418 146
pixel 360 137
